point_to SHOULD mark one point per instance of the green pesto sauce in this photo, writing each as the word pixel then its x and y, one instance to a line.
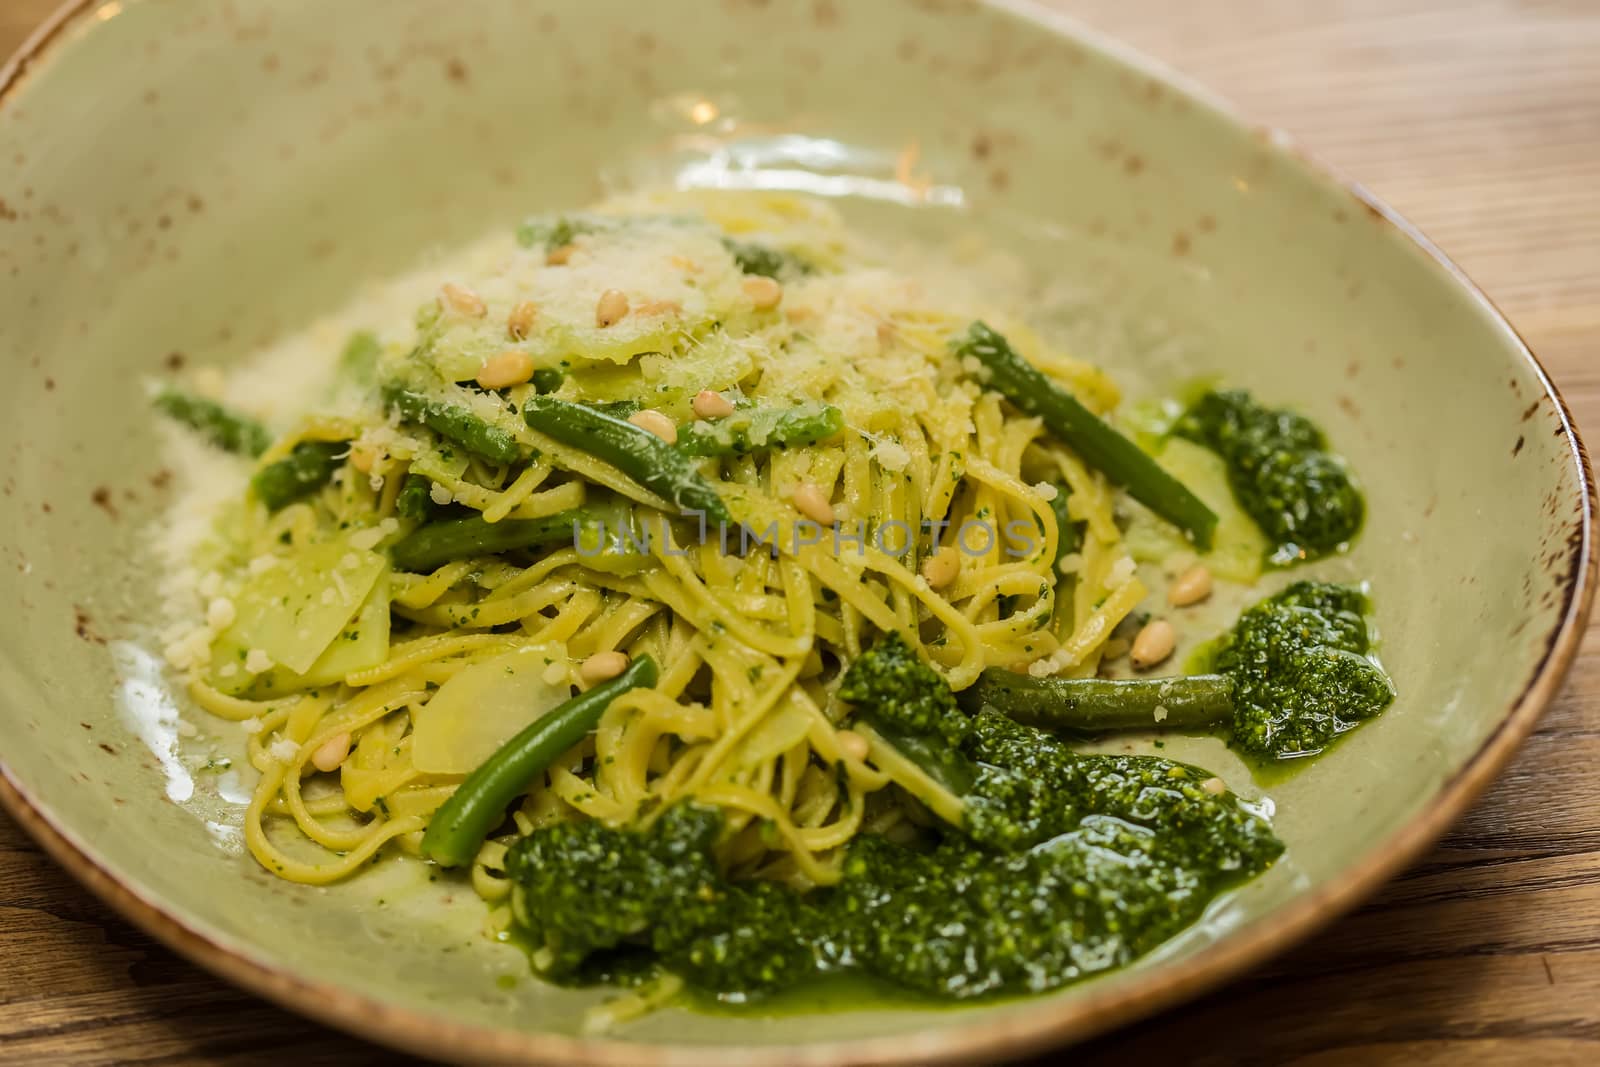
pixel 1304 672
pixel 840 991
pixel 1069 866
pixel 1281 472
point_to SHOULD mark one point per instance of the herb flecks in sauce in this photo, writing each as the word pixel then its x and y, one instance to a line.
pixel 1302 671
pixel 1300 494
pixel 1103 858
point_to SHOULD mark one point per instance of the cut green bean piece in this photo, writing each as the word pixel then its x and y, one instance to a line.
pixel 358 362
pixel 299 474
pixel 1068 537
pixel 438 543
pixel 415 500
pixel 617 409
pixel 1095 705
pixel 460 826
pixel 760 429
pixel 634 451
pixel 1101 447
pixel 228 430
pixel 456 423
pixel 765 260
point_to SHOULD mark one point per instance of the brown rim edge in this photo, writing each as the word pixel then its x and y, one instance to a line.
pixel 1011 1034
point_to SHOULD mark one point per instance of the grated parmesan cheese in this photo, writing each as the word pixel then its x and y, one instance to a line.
pixel 220 613
pixel 283 750
pixel 1120 572
pixel 891 454
pixel 365 539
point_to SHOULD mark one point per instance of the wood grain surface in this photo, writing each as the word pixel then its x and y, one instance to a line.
pixel 1480 121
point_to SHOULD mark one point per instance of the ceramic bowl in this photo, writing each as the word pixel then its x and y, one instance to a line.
pixel 185 181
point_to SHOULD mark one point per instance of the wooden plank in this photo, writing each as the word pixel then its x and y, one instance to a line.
pixel 1481 122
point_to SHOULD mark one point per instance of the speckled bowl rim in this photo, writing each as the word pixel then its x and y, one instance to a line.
pixel 985 1039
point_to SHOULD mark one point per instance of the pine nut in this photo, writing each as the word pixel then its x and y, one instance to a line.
pixel 331 753
pixel 520 322
pixel 603 665
pixel 611 308
pixel 463 301
pixel 813 504
pixel 711 405
pixel 764 293
pixel 511 367
pixel 1214 786
pixel 1154 644
pixel 852 745
pixel 941 568
pixel 557 257
pixel 657 423
pixel 1190 587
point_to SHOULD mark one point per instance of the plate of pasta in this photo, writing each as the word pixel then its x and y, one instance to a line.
pixel 819 577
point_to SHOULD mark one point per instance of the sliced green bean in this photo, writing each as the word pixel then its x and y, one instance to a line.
pixel 456 423
pixel 438 543
pixel 461 824
pixel 634 451
pixel 415 500
pixel 228 430
pixel 617 409
pixel 552 231
pixel 358 362
pixel 765 260
pixel 1095 705
pixel 1068 537
pixel 299 474
pixel 1101 447
pixel 760 429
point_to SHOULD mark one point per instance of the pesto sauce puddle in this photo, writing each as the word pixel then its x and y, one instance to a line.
pixel 1104 858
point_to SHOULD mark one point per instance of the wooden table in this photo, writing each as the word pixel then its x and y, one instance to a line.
pixel 1480 120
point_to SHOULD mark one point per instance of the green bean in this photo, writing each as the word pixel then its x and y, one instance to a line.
pixel 1101 447
pixel 359 360
pixel 455 423
pixel 1068 537
pixel 617 409
pixel 634 451
pixel 758 429
pixel 551 232
pixel 1068 540
pixel 299 474
pixel 461 824
pixel 415 500
pixel 765 260
pixel 547 380
pixel 1094 705
pixel 228 430
pixel 437 543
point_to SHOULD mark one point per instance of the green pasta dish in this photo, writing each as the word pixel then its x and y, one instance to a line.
pixel 730 607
